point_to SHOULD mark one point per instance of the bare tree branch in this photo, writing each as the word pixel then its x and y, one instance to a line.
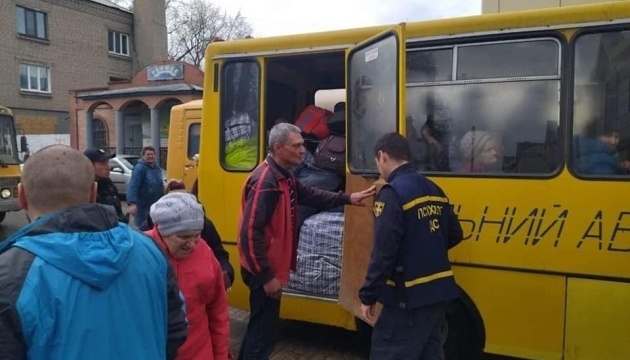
pixel 194 24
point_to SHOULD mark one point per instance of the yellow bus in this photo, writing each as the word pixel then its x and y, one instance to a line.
pixel 10 170
pixel 544 270
pixel 183 145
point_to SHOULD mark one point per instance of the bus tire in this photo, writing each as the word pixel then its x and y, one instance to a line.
pixel 2 215
pixel 466 333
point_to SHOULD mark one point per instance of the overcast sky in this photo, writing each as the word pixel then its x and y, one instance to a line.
pixel 282 17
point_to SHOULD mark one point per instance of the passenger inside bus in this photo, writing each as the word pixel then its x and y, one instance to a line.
pixel 435 135
pixel 416 144
pixel 596 152
pixel 481 151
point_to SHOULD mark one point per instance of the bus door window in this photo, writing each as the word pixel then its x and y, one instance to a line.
pixel 601 115
pixel 372 111
pixel 240 114
pixel 475 114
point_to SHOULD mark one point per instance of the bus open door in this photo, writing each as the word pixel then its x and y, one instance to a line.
pixel 375 89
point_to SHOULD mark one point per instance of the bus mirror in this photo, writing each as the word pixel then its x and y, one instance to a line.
pixel 23 144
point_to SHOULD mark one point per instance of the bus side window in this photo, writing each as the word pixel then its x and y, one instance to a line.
pixel 601 123
pixel 194 138
pixel 477 115
pixel 240 114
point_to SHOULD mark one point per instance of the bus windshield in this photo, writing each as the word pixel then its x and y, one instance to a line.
pixel 8 147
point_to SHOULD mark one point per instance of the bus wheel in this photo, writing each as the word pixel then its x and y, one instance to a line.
pixel 2 215
pixel 466 335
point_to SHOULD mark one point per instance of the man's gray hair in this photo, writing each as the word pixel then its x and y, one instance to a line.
pixel 280 132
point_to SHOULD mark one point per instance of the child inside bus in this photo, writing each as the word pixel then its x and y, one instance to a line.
pixel 596 154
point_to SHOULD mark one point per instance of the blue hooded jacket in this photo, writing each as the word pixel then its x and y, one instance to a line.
pixel 594 157
pixel 78 285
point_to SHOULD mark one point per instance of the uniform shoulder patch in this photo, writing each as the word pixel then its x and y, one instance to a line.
pixel 378 207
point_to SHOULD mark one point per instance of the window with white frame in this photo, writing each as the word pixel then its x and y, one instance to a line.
pixel 118 43
pixel 34 78
pixel 31 23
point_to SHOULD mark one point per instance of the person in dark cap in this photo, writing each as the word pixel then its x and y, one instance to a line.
pixel 107 193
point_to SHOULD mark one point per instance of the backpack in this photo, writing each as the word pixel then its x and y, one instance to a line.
pixel 331 154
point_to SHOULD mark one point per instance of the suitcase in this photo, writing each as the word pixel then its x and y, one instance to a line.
pixel 314 120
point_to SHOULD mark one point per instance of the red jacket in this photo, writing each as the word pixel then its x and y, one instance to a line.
pixel 267 240
pixel 200 280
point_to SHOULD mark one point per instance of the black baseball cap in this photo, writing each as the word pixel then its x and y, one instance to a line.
pixel 98 155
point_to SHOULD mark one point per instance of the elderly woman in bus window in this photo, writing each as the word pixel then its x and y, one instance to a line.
pixel 481 151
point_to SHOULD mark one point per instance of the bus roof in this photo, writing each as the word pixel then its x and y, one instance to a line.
pixel 499 22
pixel 191 104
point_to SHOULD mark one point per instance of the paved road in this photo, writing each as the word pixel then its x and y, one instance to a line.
pixel 304 341
pixel 297 340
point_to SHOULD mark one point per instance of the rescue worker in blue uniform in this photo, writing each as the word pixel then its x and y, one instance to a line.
pixel 409 271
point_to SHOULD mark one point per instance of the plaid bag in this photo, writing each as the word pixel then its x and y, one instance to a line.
pixel 319 255
pixel 238 127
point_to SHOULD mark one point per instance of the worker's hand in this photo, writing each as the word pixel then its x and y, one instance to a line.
pixel 368 313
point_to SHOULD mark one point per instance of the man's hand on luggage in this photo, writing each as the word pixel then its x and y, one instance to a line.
pixel 368 313
pixel 273 289
pixel 358 197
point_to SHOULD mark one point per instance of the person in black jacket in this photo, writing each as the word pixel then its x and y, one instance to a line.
pixel 209 234
pixel 106 192
pixel 409 271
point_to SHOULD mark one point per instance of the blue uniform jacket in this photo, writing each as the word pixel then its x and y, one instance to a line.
pixel 78 285
pixel 414 227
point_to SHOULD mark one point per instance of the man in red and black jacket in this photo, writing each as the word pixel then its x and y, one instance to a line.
pixel 267 240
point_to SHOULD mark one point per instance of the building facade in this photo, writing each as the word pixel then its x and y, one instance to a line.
pixel 127 116
pixel 499 6
pixel 50 47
